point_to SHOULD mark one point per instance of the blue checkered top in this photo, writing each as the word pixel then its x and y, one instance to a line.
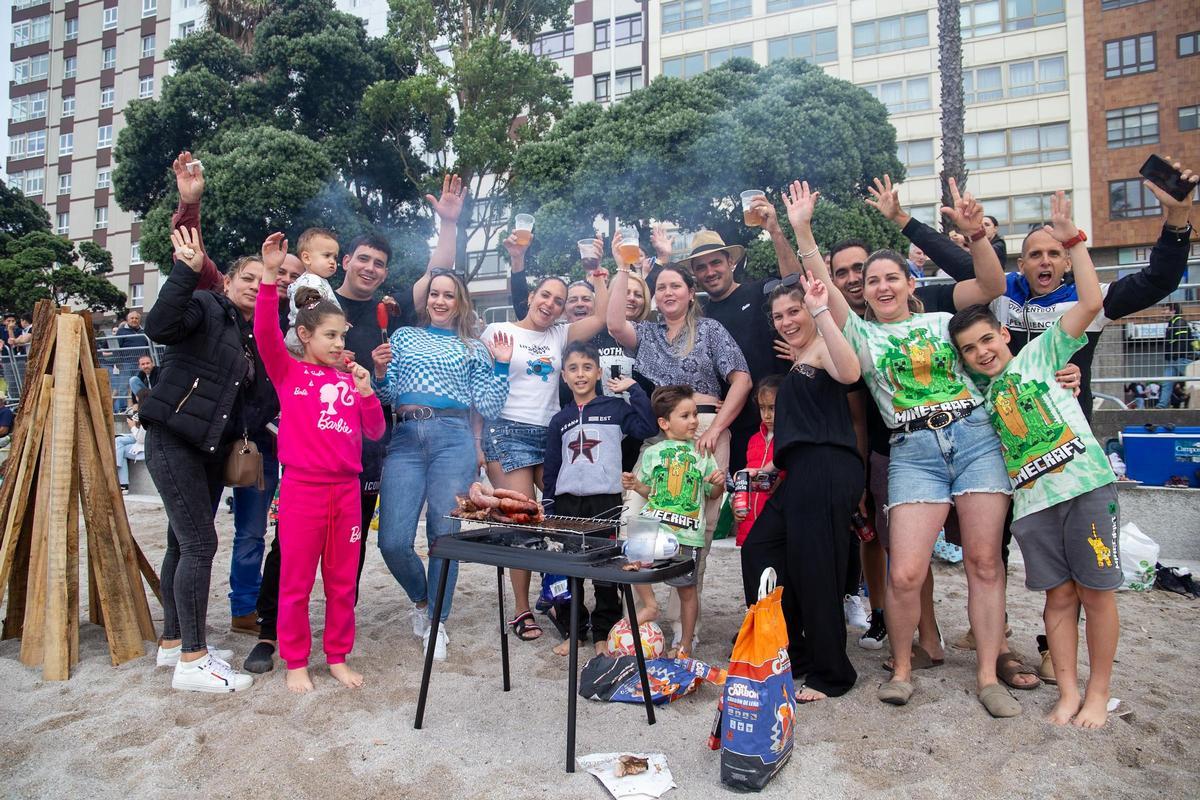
pixel 433 367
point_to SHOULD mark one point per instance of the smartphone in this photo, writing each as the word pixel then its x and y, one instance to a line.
pixel 1166 177
pixel 614 371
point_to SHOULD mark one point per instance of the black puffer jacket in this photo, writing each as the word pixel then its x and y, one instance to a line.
pixel 202 395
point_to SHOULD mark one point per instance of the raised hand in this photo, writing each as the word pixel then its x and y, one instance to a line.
pixel 449 204
pixel 1061 226
pixel 885 198
pixel 274 248
pixel 362 378
pixel 598 275
pixel 189 180
pixel 766 212
pixel 1168 202
pixel 784 350
pixel 186 242
pixel 515 249
pixel 800 202
pixel 816 293
pixel 616 250
pixel 966 213
pixel 662 241
pixel 501 347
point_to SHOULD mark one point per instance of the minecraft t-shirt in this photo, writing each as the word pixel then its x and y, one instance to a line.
pixel 676 474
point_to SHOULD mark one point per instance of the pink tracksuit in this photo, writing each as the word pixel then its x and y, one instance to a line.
pixel 322 421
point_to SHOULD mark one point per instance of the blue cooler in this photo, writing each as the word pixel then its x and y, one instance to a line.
pixel 1153 458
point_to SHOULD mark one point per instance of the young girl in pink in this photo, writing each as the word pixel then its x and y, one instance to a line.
pixel 324 413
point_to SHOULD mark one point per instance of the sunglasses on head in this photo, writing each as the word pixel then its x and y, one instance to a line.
pixel 438 271
pixel 786 280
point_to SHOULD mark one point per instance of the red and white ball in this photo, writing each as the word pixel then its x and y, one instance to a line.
pixel 620 639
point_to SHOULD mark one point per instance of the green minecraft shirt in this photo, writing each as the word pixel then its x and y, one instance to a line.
pixel 676 473
pixel 1048 446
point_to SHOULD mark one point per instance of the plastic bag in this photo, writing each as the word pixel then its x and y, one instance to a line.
pixel 725 522
pixel 758 708
pixel 616 679
pixel 946 550
pixel 1138 554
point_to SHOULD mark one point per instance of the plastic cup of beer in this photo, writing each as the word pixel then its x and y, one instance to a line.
pixel 587 252
pixel 523 228
pixel 752 218
pixel 630 252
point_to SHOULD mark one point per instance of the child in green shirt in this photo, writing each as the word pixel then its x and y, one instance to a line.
pixel 1065 514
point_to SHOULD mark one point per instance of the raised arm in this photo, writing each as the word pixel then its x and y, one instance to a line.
pixel 516 258
pixel 800 203
pixel 988 283
pixel 950 258
pixel 785 257
pixel 588 327
pixel 447 207
pixel 843 362
pixel 176 313
pixel 1087 285
pixel 189 180
pixel 271 348
pixel 620 328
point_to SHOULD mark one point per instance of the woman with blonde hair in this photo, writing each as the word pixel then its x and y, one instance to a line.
pixel 438 373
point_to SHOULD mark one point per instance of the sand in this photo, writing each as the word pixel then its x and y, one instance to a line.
pixel 123 732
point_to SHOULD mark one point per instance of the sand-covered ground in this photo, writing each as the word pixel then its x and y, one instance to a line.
pixel 122 732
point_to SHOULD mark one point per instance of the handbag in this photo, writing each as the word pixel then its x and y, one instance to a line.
pixel 244 465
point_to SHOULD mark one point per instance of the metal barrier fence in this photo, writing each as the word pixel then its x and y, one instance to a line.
pixel 118 355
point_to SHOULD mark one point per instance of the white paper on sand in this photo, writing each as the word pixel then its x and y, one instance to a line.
pixel 652 783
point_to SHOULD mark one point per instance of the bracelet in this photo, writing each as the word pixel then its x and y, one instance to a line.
pixel 819 311
pixel 815 251
pixel 626 270
pixel 977 235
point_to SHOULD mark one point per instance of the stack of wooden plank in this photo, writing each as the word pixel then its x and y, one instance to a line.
pixel 61 465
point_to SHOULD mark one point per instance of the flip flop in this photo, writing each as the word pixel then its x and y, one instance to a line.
pixel 523 624
pixel 1009 666
pixel 920 660
pixel 998 702
pixel 896 693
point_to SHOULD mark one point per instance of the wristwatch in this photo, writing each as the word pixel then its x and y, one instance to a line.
pixel 1079 236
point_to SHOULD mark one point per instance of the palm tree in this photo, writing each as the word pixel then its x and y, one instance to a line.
pixel 236 19
pixel 950 66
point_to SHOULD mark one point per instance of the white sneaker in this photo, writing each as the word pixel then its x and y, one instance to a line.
pixel 209 674
pixel 439 646
pixel 420 621
pixel 169 656
pixel 856 617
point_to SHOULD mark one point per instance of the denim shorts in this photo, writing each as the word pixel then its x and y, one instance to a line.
pixel 935 466
pixel 514 444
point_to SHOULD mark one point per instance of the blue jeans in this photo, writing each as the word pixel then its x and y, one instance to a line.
pixel 1174 366
pixel 250 509
pixel 427 460
pixel 123 443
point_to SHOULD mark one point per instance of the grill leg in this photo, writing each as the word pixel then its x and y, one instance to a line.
pixel 631 612
pixel 573 670
pixel 433 631
pixel 503 627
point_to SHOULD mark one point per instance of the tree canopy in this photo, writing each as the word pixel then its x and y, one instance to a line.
pixel 683 150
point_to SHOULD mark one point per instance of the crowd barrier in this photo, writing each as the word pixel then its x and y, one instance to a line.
pixel 118 356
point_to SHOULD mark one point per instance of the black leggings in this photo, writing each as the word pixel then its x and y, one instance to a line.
pixel 804 534
pixel 608 597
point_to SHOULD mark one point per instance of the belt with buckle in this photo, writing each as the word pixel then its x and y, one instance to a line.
pixel 419 413
pixel 935 421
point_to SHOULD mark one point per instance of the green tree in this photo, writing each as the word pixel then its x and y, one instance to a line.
pixel 473 107
pixel 280 130
pixel 19 215
pixel 39 265
pixel 683 150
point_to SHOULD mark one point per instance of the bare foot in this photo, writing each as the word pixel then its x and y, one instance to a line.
pixel 346 676
pixel 810 695
pixel 1066 707
pixel 298 681
pixel 563 648
pixel 647 614
pixel 1093 714
pixel 601 648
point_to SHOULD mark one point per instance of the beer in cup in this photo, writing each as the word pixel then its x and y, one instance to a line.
pixel 752 218
pixel 523 228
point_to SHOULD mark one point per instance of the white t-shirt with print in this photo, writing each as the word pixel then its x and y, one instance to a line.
pixel 533 373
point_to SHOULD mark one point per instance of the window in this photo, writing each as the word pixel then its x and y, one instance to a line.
pixel 682 15
pixel 68 108
pixel 70 66
pixel 101 217
pixel 985 17
pixel 926 214
pixel 904 95
pixel 63 228
pixel 187 28
pixel 31 31
pixel 103 178
pixel 1109 5
pixel 627 81
pixel 1129 199
pixel 137 295
pixel 64 183
pixel 148 46
pixel 1017 216
pixel 1187 44
pixel 1128 127
pixel 1189 118
pixel 71 29
pixel 35 143
pixel 109 20
pixel 16 147
pixel 784 5
pixel 135 253
pixel 556 44
pixel 108 59
pixel 66 144
pixel 146 86
pixel 629 31
pixel 35 182
pixel 29 106
pixel 104 136
pixel 23 4
pixel 149 8
pixel 891 34
pixel 695 63
pixel 818 47
pixel 916 156
pixel 1129 56
pixel 31 69
pixel 1033 144
pixel 1016 79
pixel 108 95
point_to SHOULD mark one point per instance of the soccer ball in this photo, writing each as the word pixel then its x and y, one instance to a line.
pixel 620 639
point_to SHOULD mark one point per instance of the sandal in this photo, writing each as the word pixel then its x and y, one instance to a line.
pixel 920 660
pixel 523 625
pixel 1009 666
pixel 998 702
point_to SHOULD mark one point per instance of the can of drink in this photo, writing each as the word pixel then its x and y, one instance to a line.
pixel 761 482
pixel 862 527
pixel 741 490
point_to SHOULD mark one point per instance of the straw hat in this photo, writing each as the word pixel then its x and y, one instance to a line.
pixel 706 242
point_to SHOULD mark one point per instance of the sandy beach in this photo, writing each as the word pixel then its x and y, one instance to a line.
pixel 124 732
